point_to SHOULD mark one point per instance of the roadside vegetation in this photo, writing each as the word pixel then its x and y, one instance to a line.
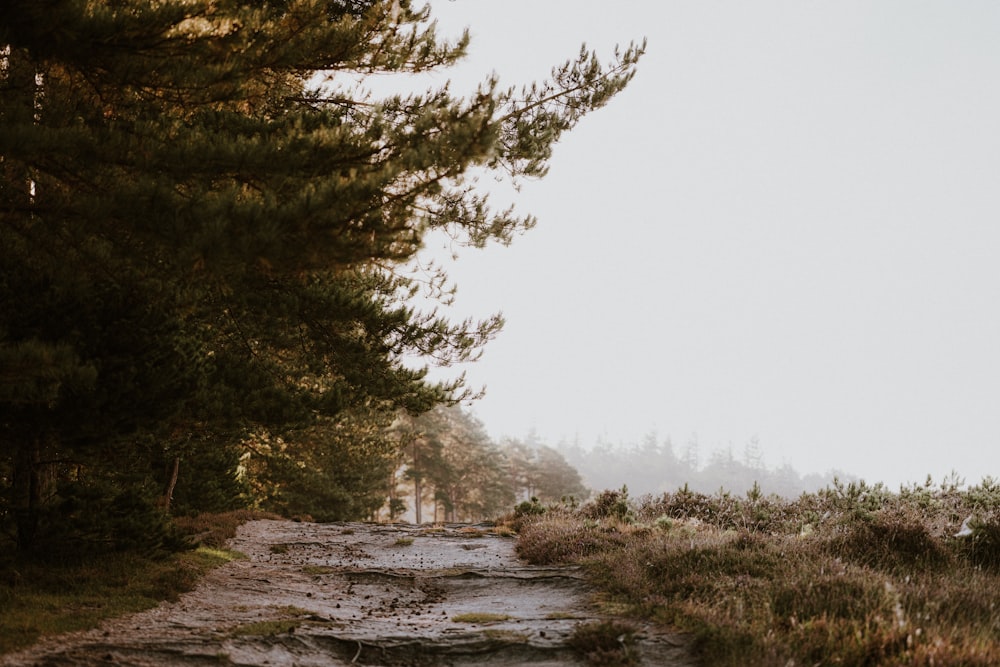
pixel 213 292
pixel 67 592
pixel 851 575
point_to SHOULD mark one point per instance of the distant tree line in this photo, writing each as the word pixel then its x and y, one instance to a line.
pixel 654 466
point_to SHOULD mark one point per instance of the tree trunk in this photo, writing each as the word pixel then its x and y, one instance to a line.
pixel 26 492
pixel 392 496
pixel 418 498
pixel 168 494
pixel 20 87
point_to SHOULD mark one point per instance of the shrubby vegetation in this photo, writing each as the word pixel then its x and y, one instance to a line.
pixel 853 574
pixel 42 597
pixel 209 227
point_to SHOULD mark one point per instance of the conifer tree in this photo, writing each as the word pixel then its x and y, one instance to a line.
pixel 204 218
pixel 449 457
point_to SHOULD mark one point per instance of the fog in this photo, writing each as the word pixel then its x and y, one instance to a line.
pixel 786 230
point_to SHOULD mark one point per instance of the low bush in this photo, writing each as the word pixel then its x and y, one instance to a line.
pixel 562 538
pixel 852 575
pixel 610 505
pixel 215 529
pixel 889 543
pixel 982 547
pixel 605 644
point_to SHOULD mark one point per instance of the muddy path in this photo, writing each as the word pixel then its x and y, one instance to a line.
pixel 358 594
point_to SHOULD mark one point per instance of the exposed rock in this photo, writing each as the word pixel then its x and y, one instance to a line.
pixel 358 594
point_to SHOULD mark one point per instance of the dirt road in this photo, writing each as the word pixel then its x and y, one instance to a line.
pixel 362 594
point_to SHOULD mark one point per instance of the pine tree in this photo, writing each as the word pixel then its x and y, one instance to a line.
pixel 450 457
pixel 555 479
pixel 541 472
pixel 204 219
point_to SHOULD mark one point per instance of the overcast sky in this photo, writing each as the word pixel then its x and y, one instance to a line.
pixel 788 228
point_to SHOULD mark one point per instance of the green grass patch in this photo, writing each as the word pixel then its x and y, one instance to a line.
pixel 52 600
pixel 37 600
pixel 403 542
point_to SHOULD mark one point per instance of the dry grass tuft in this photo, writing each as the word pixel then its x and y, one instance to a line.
pixel 605 644
pixel 853 575
pixel 215 529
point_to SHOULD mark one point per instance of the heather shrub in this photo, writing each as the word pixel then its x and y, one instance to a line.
pixel 851 575
pixel 982 548
pixel 605 644
pixel 889 542
pixel 564 539
pixel 610 505
pixel 830 596
pixel 753 513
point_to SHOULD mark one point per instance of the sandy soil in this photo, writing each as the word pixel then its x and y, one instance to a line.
pixel 363 594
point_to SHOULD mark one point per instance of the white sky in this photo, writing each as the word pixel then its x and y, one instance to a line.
pixel 786 227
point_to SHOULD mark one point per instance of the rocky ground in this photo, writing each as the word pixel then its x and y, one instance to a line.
pixel 359 594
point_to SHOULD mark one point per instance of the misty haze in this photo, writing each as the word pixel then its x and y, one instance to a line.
pixel 380 332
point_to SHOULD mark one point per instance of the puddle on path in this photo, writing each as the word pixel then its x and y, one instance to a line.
pixel 330 595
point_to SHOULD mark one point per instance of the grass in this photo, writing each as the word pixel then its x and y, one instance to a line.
pixel 49 600
pixel 215 529
pixel 503 531
pixel 37 600
pixel 403 542
pixel 853 575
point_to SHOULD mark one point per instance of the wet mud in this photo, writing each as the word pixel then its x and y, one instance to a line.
pixel 328 595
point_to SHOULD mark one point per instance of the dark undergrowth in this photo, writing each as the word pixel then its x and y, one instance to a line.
pixel 852 575
pixel 40 597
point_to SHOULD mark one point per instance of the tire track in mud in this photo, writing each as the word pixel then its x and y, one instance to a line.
pixel 331 595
